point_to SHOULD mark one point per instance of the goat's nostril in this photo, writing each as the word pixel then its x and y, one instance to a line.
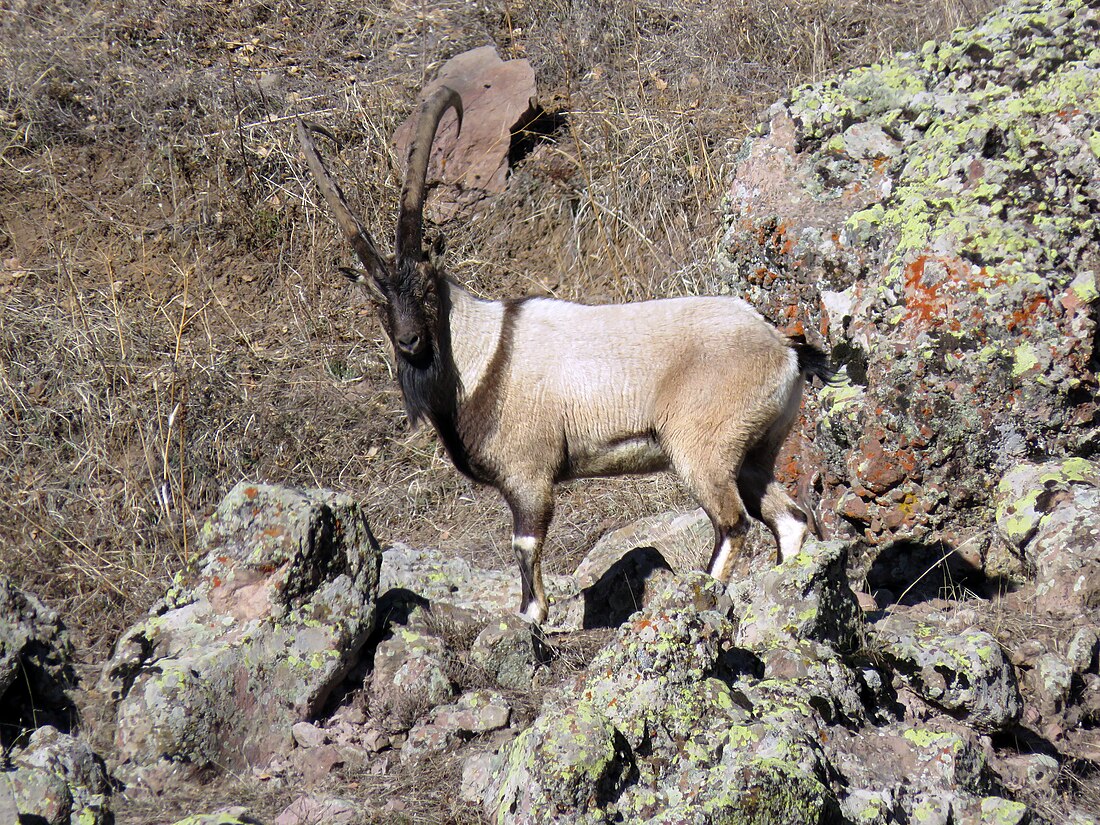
pixel 410 343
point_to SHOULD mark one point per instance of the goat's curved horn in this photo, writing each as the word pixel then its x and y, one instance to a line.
pixel 360 240
pixel 410 220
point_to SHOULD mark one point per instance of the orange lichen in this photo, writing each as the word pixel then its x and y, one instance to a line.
pixel 932 284
pixel 1021 317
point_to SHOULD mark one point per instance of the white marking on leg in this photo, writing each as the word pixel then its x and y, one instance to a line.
pixel 792 532
pixel 721 560
pixel 534 612
pixel 524 548
pixel 527 544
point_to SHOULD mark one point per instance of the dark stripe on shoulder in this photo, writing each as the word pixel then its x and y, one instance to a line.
pixel 466 434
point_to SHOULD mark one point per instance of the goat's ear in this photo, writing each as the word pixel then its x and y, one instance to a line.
pixel 437 251
pixel 365 280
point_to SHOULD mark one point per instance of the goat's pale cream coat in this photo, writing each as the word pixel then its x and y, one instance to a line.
pixel 550 390
pixel 601 382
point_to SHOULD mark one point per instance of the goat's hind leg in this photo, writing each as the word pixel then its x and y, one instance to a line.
pixel 716 492
pixel 767 501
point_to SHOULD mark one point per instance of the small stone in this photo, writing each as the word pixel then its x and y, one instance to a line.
pixel 317 763
pixel 509 649
pixel 477 775
pixel 1082 650
pixel 475 712
pixel 311 810
pixel 376 740
pixel 308 735
pixel 428 738
pixel 350 715
pixel 1004 811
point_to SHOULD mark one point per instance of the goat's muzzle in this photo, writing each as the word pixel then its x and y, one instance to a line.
pixel 411 344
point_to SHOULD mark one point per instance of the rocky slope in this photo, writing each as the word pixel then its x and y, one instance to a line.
pixel 931 218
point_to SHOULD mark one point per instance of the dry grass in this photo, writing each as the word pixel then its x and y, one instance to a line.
pixel 169 320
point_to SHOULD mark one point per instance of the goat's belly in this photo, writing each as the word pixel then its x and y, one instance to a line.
pixel 628 456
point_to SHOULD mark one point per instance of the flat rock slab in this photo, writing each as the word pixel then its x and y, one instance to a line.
pixel 255 640
pixel 443 579
pixel 498 99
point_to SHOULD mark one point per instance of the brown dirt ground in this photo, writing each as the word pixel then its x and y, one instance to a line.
pixel 170 316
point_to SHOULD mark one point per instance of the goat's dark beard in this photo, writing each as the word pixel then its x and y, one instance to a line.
pixel 431 386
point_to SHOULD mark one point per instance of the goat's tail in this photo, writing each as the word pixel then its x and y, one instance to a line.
pixel 811 360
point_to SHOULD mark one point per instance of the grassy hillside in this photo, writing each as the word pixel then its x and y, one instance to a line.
pixel 170 316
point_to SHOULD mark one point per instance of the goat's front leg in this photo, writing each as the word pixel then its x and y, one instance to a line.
pixel 532 507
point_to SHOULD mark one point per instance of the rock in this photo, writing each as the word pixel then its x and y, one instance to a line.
pixel 498 98
pixel 56 779
pixel 307 735
pixel 826 683
pixel 409 678
pixel 36 666
pixel 509 651
pixel 1028 493
pixel 253 642
pixel 375 740
pixel 235 815
pixel 893 208
pixel 966 673
pixel 478 711
pixel 1083 649
pixel 683 540
pixel 628 566
pixel 317 763
pixel 310 810
pixel 433 578
pixel 651 733
pixel 561 769
pixel 1054 678
pixel 806 597
pixel 1050 513
pixel 427 738
pixel 478 771
pixel 895 772
pixel 1033 770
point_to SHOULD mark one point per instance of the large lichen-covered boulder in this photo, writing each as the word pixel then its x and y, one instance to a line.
pixel 252 642
pixel 1049 514
pixel 934 218
pixel 805 597
pixel 923 772
pixel 55 780
pixel 654 732
pixel 37 678
pixel 965 673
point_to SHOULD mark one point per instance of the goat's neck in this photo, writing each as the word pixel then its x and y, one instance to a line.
pixel 475 327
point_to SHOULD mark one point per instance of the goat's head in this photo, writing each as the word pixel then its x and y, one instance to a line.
pixel 405 288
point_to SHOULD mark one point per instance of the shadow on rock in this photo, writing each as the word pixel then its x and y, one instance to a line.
pixel 621 590
pixel 910 573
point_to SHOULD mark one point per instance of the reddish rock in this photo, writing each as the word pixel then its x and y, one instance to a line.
pixel 498 99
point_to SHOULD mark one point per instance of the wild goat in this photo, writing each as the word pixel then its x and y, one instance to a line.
pixel 529 392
